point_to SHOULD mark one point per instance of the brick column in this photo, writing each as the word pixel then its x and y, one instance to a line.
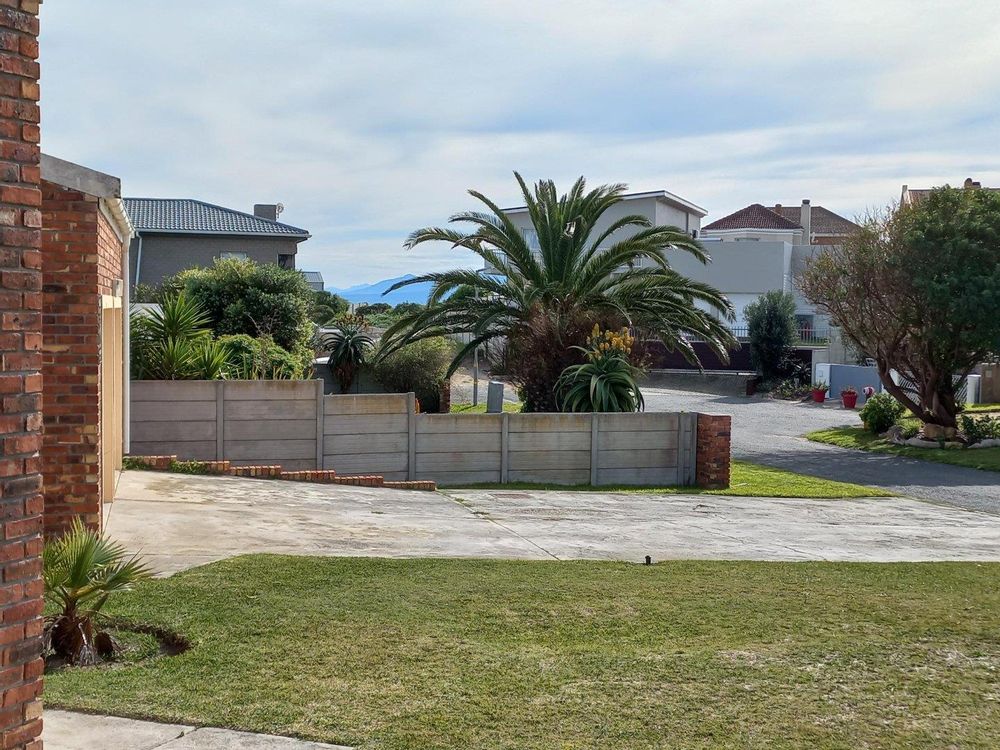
pixel 714 452
pixel 20 380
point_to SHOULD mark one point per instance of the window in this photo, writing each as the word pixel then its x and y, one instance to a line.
pixel 286 261
pixel 531 237
pixel 233 256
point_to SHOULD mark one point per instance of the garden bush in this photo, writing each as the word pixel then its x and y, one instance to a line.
pixel 881 412
pixel 977 429
pixel 420 367
pixel 772 331
pixel 260 300
pixel 251 358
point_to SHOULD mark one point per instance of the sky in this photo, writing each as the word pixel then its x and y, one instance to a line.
pixel 370 119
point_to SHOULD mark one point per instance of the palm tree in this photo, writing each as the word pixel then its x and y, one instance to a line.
pixel 546 302
pixel 349 347
pixel 81 570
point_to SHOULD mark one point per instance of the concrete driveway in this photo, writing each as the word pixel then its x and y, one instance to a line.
pixel 180 521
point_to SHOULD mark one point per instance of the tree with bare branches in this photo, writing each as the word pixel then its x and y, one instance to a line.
pixel 917 289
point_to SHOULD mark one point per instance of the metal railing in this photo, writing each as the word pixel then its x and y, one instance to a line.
pixel 805 335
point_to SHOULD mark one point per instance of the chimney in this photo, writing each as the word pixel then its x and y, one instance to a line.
pixel 266 211
pixel 805 219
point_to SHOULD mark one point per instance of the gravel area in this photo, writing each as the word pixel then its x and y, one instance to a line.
pixel 770 432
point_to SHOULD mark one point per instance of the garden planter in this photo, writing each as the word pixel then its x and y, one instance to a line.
pixel 819 396
pixel 849 400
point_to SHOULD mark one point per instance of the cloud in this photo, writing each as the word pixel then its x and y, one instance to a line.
pixel 371 119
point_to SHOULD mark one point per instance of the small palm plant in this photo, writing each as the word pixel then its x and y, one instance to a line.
pixel 606 382
pixel 81 570
pixel 349 347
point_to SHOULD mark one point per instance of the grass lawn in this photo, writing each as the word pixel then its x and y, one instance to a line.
pixel 417 654
pixel 511 407
pixel 747 480
pixel 987 459
pixel 981 408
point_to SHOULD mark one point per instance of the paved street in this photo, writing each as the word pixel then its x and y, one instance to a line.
pixel 769 432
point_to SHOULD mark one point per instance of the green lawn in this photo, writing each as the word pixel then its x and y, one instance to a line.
pixel 511 407
pixel 416 654
pixel 987 459
pixel 981 408
pixel 747 480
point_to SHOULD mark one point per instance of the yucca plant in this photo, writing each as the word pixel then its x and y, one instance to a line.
pixel 542 301
pixel 82 569
pixel 210 360
pixel 349 347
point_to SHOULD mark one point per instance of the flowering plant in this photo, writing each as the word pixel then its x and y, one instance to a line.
pixel 869 391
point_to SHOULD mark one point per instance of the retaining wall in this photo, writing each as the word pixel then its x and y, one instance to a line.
pixel 294 424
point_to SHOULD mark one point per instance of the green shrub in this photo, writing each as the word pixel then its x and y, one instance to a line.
pixel 772 330
pixel 419 367
pixel 790 390
pixel 240 296
pixel 881 412
pixel 977 429
pixel 173 343
pixel 250 358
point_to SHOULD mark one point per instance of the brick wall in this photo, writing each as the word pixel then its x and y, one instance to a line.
pixel 20 380
pixel 713 455
pixel 81 256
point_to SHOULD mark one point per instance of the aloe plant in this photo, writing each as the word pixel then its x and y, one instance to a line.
pixel 349 349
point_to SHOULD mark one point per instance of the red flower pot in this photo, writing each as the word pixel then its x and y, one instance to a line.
pixel 819 396
pixel 849 400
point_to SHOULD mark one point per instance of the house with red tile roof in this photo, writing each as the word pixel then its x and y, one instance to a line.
pixel 800 225
pixel 913 195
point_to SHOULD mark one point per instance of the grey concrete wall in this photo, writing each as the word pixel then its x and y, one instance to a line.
pixel 248 422
pixel 164 255
pixel 293 424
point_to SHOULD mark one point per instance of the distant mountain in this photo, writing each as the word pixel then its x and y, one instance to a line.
pixel 369 293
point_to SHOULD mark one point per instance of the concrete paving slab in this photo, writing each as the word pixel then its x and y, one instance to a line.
pixel 67 730
pixel 181 521
pixel 595 525
pixel 225 739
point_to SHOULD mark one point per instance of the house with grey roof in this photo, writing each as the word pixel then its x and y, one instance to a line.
pixel 174 234
pixel 314 279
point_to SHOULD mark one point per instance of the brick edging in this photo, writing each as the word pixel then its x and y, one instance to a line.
pixel 275 471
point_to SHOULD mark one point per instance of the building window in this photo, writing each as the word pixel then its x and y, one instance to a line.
pixel 286 261
pixel 531 238
pixel 233 256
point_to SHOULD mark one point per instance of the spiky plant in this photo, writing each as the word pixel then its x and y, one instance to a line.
pixel 545 302
pixel 82 569
pixel 349 347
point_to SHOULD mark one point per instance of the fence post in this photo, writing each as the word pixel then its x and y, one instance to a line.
pixel 320 428
pixel 411 439
pixel 504 447
pixel 220 420
pixel 595 429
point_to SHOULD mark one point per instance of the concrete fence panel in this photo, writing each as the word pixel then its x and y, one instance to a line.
pixel 294 424
pixel 367 434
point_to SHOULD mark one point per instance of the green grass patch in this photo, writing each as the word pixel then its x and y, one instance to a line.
pixel 857 438
pixel 457 654
pixel 510 407
pixel 981 408
pixel 747 480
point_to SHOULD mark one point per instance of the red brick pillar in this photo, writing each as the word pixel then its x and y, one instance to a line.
pixel 714 451
pixel 20 380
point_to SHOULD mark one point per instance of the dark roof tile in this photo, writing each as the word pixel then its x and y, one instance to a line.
pixel 754 216
pixel 189 215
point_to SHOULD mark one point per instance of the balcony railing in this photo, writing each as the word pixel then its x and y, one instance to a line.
pixel 805 336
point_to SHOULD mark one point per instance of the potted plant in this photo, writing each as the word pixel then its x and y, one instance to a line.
pixel 849 397
pixel 819 392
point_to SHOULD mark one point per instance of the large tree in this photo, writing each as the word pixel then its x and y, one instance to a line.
pixel 917 289
pixel 545 302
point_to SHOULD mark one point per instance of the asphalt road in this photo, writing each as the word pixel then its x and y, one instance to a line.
pixel 770 432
